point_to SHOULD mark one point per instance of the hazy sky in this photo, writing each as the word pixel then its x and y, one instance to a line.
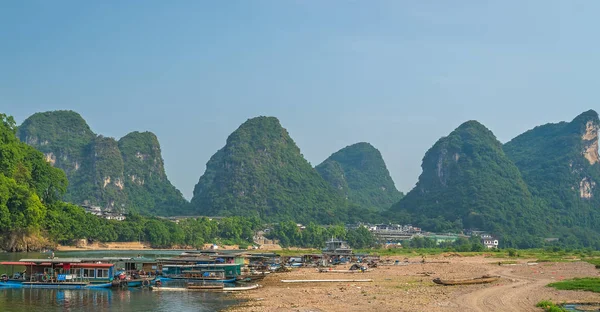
pixel 397 74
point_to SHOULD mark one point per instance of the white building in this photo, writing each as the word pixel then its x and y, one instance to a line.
pixel 489 241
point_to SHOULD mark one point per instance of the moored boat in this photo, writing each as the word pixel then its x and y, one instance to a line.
pixel 67 273
pixel 477 280
pixel 206 275
pixel 224 289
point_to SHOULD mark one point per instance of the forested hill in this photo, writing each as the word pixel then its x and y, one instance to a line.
pixel 146 182
pixel 559 162
pixel 468 182
pixel 359 174
pixel 260 172
pixel 121 175
pixel 27 185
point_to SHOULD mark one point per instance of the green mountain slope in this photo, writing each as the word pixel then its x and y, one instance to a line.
pixel 146 182
pixel 468 182
pixel 100 169
pixel 61 135
pixel 359 174
pixel 559 162
pixel 261 172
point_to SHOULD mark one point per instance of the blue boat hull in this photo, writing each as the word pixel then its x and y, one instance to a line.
pixel 10 283
pixel 56 285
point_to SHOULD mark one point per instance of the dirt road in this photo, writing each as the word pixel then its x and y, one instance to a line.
pixel 521 287
pixel 514 293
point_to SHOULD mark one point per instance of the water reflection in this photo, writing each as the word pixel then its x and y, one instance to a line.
pixel 28 300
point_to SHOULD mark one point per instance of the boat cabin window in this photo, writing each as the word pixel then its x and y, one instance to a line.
pixel 89 273
pixel 102 273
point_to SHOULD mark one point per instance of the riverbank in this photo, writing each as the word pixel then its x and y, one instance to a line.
pixel 83 245
pixel 410 287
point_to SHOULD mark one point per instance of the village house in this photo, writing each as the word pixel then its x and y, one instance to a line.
pixel 489 241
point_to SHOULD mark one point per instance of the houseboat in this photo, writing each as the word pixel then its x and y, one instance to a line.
pixel 177 266
pixel 67 273
pixel 336 252
pixel 207 275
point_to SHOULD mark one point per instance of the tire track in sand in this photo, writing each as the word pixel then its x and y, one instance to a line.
pixel 513 296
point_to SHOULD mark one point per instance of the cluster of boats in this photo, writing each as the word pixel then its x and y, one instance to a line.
pixel 206 271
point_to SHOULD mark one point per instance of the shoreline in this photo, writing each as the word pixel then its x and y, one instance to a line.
pixel 410 287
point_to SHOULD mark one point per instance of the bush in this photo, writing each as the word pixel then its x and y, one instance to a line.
pixel 512 252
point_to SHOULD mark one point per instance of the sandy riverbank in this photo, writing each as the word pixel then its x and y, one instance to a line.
pixel 408 288
pixel 105 246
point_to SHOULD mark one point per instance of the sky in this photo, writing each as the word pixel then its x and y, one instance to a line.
pixel 397 74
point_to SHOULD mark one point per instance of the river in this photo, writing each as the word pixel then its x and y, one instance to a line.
pixel 134 299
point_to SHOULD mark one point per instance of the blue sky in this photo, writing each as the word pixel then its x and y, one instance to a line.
pixel 397 74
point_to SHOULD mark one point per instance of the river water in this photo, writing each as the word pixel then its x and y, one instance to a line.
pixel 134 299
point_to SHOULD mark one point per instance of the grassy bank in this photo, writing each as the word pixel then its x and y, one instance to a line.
pixel 586 283
pixel 549 306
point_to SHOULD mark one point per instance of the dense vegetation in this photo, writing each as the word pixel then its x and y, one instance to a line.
pixel 67 222
pixel 28 186
pixel 462 244
pixel 261 173
pixel 315 236
pixel 468 182
pixel 359 174
pixel 146 183
pixel 563 182
pixel 125 176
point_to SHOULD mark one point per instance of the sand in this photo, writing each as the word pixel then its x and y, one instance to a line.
pixel 410 287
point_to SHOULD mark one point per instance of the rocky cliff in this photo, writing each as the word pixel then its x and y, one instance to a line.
pixel 125 175
pixel 469 182
pixel 559 162
pixel 145 180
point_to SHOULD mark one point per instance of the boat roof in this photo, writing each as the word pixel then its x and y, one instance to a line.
pixel 121 259
pixel 185 259
pixel 55 260
pixel 92 265
pixel 17 263
pixel 198 265
pixel 47 263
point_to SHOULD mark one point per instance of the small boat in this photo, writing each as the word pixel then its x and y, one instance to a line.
pixel 255 286
pixel 477 280
pixel 204 288
pixel 203 276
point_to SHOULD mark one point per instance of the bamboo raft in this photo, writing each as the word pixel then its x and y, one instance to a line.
pixel 477 280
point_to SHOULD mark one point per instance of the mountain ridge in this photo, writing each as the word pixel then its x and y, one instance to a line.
pixel 260 172
pixel 99 173
pixel 360 175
